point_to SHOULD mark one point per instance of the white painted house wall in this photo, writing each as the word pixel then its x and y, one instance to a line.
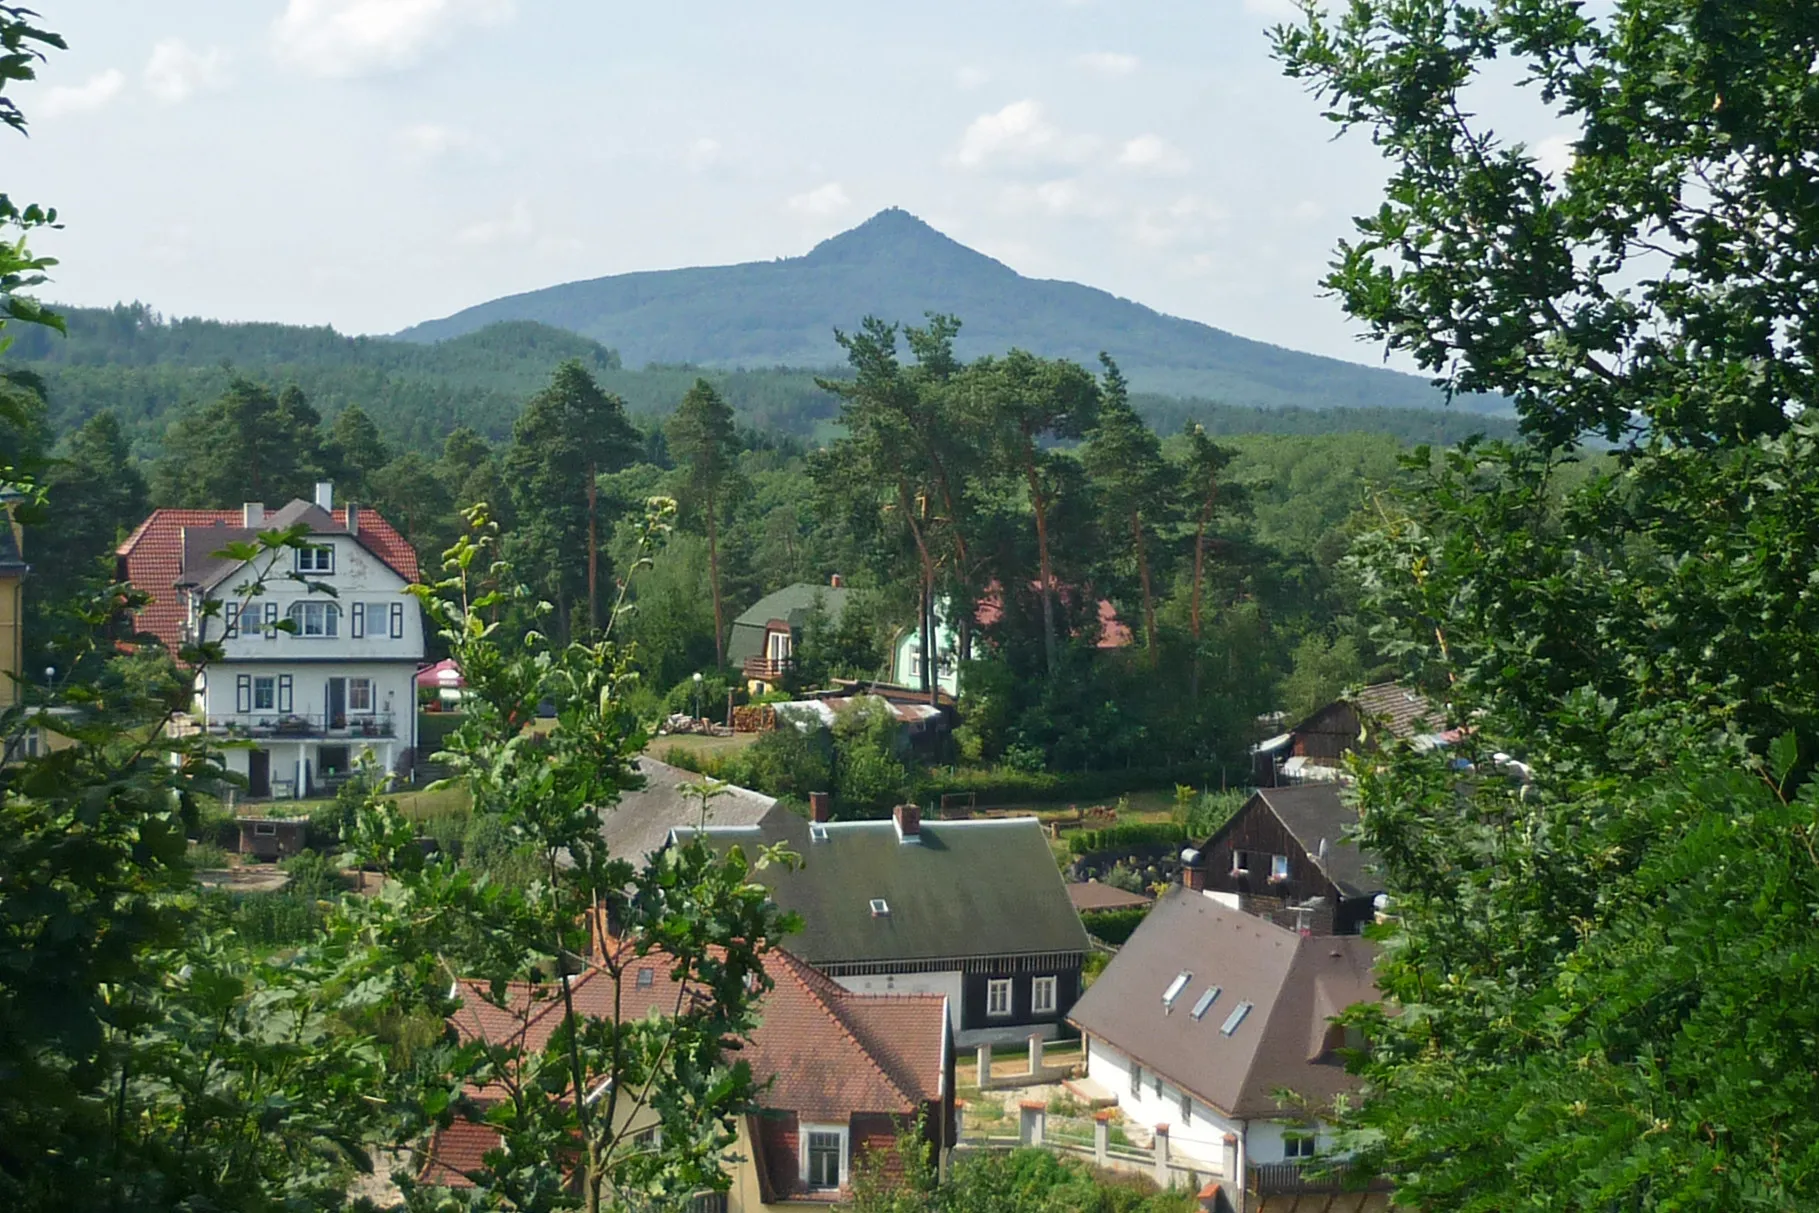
pixel 946 984
pixel 1200 1139
pixel 271 675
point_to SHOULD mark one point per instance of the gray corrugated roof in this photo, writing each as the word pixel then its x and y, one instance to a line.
pixel 1295 983
pixel 1314 813
pixel 969 888
pixel 638 826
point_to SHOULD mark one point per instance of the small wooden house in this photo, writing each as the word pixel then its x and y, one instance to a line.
pixel 1286 856
pixel 273 837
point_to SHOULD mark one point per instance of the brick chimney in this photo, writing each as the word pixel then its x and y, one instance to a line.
pixel 819 807
pixel 909 822
pixel 252 514
pixel 1193 871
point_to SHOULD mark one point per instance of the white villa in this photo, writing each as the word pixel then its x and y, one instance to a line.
pixel 307 702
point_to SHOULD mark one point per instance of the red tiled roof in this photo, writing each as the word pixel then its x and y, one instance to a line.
pixel 152 557
pixel 1114 633
pixel 457 1150
pixel 825 1051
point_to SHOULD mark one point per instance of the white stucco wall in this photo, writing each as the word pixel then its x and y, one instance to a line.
pixel 1200 1139
pixel 358 576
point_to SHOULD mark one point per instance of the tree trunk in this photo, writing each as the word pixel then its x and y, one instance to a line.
pixel 926 639
pixel 1143 575
pixel 1048 585
pixel 593 552
pixel 1206 513
pixel 713 580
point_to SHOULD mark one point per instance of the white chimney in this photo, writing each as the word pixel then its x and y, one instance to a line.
pixel 252 514
pixel 325 494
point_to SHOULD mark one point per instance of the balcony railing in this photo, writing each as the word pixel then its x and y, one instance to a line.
pixel 299 725
pixel 1293 1178
pixel 766 669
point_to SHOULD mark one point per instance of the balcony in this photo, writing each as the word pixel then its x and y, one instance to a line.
pixel 1299 1179
pixel 766 669
pixel 292 725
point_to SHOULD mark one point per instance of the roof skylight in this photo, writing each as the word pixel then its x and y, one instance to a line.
pixel 880 907
pixel 1235 1018
pixel 1205 1001
pixel 1174 989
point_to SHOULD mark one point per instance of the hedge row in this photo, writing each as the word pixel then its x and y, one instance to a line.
pixel 1113 926
pixel 997 785
pixel 1125 837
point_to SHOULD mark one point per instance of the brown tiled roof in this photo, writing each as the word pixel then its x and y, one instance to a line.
pixel 1401 712
pixel 153 556
pixel 1090 895
pixel 1294 984
pixel 825 1051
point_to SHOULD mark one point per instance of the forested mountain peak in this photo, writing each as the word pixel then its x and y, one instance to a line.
pixel 895 266
pixel 894 237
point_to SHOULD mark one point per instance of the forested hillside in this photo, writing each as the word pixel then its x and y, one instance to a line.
pixel 900 269
pixel 145 369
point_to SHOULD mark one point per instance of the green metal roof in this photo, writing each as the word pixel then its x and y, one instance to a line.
pixel 967 889
pixel 793 603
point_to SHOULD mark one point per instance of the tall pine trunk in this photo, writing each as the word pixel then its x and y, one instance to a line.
pixel 1206 514
pixel 593 551
pixel 1143 574
pixel 713 580
pixel 1048 582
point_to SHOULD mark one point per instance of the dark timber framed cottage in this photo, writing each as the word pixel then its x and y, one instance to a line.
pixel 973 910
pixel 1285 855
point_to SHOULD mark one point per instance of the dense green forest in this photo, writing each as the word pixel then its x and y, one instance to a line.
pixel 144 368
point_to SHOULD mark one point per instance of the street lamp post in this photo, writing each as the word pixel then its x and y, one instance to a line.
pixel 697 694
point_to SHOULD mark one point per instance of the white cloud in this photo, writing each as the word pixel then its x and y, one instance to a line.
pixel 703 154
pixel 823 200
pixel 357 37
pixel 85 98
pixel 176 72
pixel 1186 219
pixel 1554 155
pixel 970 78
pixel 1152 154
pixel 1061 198
pixel 1110 63
pixel 1019 133
pixel 514 227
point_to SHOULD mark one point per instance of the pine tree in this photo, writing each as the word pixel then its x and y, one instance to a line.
pixel 702 439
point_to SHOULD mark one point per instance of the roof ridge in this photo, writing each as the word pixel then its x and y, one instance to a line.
pixel 794 965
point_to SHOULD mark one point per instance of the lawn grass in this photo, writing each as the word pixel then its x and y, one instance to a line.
pixel 698 744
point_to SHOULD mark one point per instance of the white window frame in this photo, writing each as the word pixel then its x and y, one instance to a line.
pixel 1042 995
pixel 268 683
pixel 353 701
pixel 330 614
pixel 317 558
pixel 993 988
pixel 1299 1147
pixel 808 1136
pixel 1278 867
pixel 777 646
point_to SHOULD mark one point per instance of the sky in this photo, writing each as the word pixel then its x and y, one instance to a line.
pixel 374 163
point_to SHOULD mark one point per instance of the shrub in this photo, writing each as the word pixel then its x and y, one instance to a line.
pixel 313 877
pixel 1127 837
pixel 207 855
pixel 1113 926
pixel 784 762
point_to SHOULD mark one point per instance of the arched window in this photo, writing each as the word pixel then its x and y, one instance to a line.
pixel 315 619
